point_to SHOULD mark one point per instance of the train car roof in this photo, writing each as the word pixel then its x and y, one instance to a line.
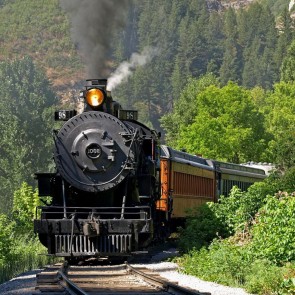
pixel 231 168
pixel 185 158
pixel 267 167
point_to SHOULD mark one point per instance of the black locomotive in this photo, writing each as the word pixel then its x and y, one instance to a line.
pixel 115 188
pixel 105 186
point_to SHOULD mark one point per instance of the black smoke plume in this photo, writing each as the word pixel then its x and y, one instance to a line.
pixel 93 23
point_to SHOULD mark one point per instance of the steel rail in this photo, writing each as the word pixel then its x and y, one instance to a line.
pixel 66 283
pixel 164 285
pixel 153 280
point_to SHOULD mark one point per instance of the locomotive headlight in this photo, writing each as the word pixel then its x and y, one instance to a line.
pixel 94 97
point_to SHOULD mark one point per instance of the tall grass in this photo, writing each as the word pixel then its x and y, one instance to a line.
pixel 20 264
pixel 27 254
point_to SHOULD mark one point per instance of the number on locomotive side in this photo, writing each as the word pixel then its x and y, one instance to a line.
pixel 62 115
pixel 129 115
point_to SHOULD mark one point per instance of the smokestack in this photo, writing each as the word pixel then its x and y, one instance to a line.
pixel 92 25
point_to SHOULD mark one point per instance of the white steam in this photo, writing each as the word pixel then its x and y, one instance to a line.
pixel 291 4
pixel 126 68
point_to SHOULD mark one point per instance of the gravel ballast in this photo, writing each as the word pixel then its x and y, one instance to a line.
pixel 24 284
pixel 170 271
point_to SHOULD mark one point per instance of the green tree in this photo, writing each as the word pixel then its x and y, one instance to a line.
pixel 252 63
pixel 231 64
pixel 184 109
pixel 195 41
pixel 215 39
pixel 279 111
pixel 26 124
pixel 258 37
pixel 285 25
pixel 288 65
pixel 277 6
pixel 226 126
pixel 157 26
pixel 181 70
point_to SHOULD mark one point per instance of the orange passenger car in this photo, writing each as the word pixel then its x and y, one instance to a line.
pixel 186 181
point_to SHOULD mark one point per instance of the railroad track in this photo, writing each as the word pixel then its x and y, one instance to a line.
pixel 61 279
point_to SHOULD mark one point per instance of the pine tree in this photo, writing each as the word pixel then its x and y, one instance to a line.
pixel 286 33
pixel 258 37
pixel 231 65
pixel 215 38
pixel 288 65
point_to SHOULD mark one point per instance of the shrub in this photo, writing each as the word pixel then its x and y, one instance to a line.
pixel 239 208
pixel 231 214
pixel 263 277
pixel 25 201
pixel 223 262
pixel 201 227
pixel 259 255
pixel 288 285
pixel 287 182
pixel 6 240
pixel 227 263
pixel 274 229
pixel 231 210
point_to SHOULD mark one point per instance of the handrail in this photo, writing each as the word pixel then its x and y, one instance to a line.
pixel 103 211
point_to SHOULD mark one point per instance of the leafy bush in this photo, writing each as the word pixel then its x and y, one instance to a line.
pixel 239 208
pixel 274 229
pixel 231 214
pixel 231 211
pixel 24 203
pixel 20 248
pixel 260 254
pixel 287 181
pixel 227 263
pixel 6 241
pixel 223 262
pixel 201 227
pixel 264 277
pixel 288 285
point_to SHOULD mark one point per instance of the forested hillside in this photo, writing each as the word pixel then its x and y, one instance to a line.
pixel 39 29
pixel 246 46
pixel 191 37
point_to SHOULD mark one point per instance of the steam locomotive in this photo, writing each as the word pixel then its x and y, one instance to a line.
pixel 115 188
